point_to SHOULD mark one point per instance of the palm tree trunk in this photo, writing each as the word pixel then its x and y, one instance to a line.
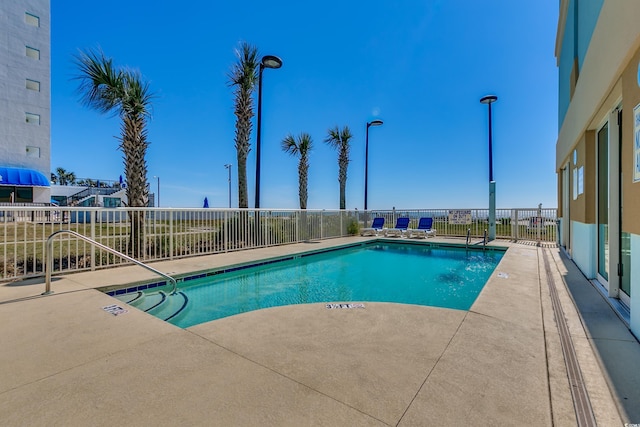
pixel 243 198
pixel 343 197
pixel 134 146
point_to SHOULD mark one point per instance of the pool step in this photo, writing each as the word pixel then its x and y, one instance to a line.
pixel 150 301
pixel 130 298
pixel 172 306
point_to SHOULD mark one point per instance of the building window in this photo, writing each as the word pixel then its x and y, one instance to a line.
pixel 32 53
pixel 31 19
pixel 11 194
pixel 33 151
pixel 33 85
pixel 32 118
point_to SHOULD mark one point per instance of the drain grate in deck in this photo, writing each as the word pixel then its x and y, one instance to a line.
pixel 581 402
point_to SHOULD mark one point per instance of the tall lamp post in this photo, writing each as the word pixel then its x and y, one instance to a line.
pixel 366 165
pixel 268 61
pixel 228 166
pixel 490 99
pixel 158 178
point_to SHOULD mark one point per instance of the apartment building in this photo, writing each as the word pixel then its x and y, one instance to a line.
pixel 598 147
pixel 25 101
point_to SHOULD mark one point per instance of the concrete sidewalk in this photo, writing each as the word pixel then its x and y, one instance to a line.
pixel 65 361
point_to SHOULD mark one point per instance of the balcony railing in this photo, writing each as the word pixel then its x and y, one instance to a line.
pixel 161 234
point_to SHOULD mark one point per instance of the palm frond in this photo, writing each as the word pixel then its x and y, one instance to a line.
pixel 244 72
pixel 101 85
pixel 290 145
pixel 333 137
pixel 136 95
pixel 305 144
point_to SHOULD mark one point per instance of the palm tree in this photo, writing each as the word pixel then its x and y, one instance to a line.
pixel 243 77
pixel 340 140
pixel 64 177
pixel 300 147
pixel 123 92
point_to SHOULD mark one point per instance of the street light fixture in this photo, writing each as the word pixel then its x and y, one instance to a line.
pixel 228 166
pixel 158 178
pixel 376 122
pixel 268 61
pixel 490 99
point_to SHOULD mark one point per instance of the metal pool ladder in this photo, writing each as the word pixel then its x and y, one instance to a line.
pixel 48 256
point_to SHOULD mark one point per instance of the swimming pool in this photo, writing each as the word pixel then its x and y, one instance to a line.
pixel 410 273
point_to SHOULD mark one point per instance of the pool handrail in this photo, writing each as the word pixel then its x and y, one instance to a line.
pixel 48 256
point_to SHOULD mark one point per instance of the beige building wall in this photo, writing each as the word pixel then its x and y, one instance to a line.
pixel 583 208
pixel 630 190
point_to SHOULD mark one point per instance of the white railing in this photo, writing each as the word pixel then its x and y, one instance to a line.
pixel 151 234
pixel 535 224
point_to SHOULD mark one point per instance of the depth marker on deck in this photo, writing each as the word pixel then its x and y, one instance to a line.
pixel 332 306
pixel 115 309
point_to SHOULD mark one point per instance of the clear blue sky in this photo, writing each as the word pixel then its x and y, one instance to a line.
pixel 421 66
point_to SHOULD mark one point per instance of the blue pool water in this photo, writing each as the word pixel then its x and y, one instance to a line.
pixel 384 272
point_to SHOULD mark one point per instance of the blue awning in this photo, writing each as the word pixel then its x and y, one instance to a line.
pixel 22 177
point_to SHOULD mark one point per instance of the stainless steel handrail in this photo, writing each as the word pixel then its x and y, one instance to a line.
pixel 48 256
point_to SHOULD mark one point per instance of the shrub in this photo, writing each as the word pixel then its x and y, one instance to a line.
pixel 353 228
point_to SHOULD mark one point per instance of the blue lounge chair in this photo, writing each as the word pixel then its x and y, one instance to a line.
pixel 401 227
pixel 424 229
pixel 376 227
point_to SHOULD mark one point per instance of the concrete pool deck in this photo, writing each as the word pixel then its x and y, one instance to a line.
pixel 65 361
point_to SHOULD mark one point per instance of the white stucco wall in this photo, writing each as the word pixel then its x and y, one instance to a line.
pixel 583 247
pixel 22 144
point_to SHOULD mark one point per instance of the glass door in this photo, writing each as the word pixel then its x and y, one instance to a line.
pixel 603 202
pixel 566 218
pixel 625 238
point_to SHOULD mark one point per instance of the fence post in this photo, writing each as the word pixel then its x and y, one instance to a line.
pixel 539 221
pixel 171 234
pixel 93 237
pixel 225 232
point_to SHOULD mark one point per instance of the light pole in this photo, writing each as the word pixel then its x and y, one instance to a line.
pixel 228 166
pixel 268 61
pixel 490 99
pixel 158 178
pixel 366 163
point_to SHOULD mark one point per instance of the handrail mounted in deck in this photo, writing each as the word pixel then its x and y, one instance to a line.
pixel 48 255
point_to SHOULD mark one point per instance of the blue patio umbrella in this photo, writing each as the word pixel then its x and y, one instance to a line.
pixel 206 203
pixel 120 180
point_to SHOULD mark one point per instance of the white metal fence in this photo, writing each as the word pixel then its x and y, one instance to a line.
pixel 535 224
pixel 150 234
